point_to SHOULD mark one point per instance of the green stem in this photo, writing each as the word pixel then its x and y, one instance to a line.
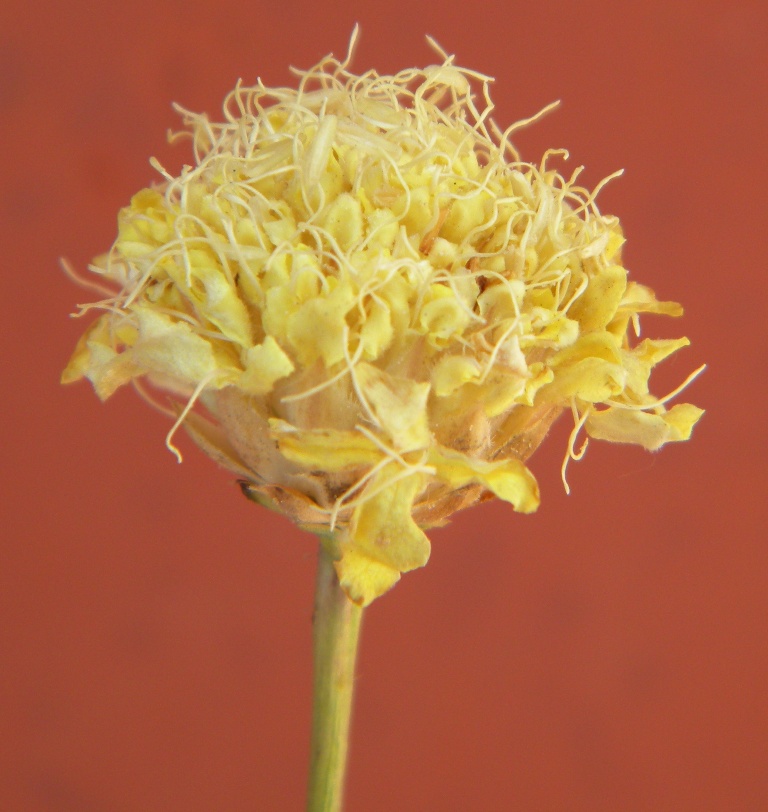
pixel 336 630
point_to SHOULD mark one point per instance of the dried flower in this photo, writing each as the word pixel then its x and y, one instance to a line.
pixel 382 308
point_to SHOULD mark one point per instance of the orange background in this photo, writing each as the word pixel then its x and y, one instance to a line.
pixel 608 653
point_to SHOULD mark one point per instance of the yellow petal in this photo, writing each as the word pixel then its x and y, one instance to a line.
pixel 452 371
pixel 81 359
pixel 681 419
pixel 218 301
pixel 590 369
pixel 305 274
pixel 421 212
pixel 641 299
pixel 171 349
pixel 464 215
pixel 343 220
pixel 510 480
pixel 316 329
pixel 109 370
pixel 596 345
pixel 96 358
pixel 554 329
pixel 383 540
pixel 642 428
pixel 376 332
pixel 500 390
pixel 398 293
pixel 639 362
pixel 595 308
pixel 399 404
pixel 592 380
pixel 442 316
pixel 615 241
pixel 502 301
pixel 265 364
pixel 382 227
pixel 364 578
pixel 144 225
pixel 324 449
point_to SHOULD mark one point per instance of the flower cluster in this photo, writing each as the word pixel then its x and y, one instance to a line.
pixel 380 306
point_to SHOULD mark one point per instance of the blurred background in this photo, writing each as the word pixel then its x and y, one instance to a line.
pixel 607 653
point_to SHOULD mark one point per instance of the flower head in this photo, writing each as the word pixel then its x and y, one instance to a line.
pixel 381 307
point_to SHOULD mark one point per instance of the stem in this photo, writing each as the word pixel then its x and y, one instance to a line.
pixel 335 635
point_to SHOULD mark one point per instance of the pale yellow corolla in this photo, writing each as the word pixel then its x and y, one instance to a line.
pixel 377 308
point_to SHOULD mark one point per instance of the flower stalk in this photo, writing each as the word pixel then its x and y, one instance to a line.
pixel 336 629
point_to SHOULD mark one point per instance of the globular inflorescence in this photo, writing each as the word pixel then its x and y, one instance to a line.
pixel 365 303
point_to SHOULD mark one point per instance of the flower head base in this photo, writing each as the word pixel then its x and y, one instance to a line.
pixel 381 307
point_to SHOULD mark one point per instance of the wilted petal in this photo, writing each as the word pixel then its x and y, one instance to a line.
pixel 641 299
pixel 643 428
pixel 316 329
pixel 324 449
pixel 383 540
pixel 595 308
pixel 640 361
pixel 171 348
pixel 96 358
pixel 510 480
pixel 265 364
pixel 399 405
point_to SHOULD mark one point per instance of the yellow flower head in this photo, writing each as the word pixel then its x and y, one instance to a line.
pixel 381 307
